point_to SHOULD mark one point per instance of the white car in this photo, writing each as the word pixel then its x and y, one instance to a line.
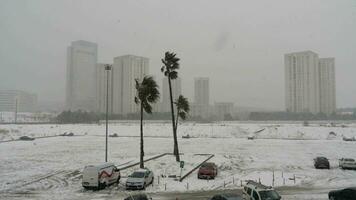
pixel 347 163
pixel 256 191
pixel 100 176
pixel 139 179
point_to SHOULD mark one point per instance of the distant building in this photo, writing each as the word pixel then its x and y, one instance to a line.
pixel 124 71
pixel 101 88
pixel 201 91
pixel 309 83
pixel 26 102
pixel 302 82
pixel 201 106
pixel 223 109
pixel 327 85
pixel 80 87
pixel 176 91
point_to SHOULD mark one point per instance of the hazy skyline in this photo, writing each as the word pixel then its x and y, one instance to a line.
pixel 239 45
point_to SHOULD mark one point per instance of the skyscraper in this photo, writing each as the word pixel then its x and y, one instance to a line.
pixel 302 82
pixel 201 107
pixel 80 87
pixel 125 70
pixel 176 91
pixel 201 91
pixel 327 85
pixel 309 83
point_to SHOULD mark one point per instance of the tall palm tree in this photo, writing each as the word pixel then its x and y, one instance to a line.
pixel 169 69
pixel 146 94
pixel 183 109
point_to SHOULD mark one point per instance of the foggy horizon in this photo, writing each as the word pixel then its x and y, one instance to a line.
pixel 238 45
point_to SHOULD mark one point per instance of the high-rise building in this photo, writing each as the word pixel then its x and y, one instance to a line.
pixel 176 91
pixel 125 70
pixel 223 110
pixel 201 91
pixel 201 107
pixel 101 88
pixel 81 64
pixel 24 101
pixel 302 93
pixel 327 85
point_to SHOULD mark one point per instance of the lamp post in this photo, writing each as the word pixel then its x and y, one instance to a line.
pixel 107 69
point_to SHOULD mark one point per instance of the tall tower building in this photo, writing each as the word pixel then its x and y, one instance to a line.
pixel 176 91
pixel 327 85
pixel 125 70
pixel 302 84
pixel 201 91
pixel 81 64
pixel 101 88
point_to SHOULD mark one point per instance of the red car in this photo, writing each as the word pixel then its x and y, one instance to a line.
pixel 207 171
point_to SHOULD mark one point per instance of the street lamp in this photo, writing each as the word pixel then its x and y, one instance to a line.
pixel 107 69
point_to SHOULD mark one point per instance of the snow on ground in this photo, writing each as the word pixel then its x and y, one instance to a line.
pixel 52 166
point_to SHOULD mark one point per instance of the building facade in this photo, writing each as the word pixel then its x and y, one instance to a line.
pixel 309 83
pixel 24 101
pixel 201 106
pixel 223 109
pixel 81 71
pixel 302 93
pixel 176 91
pixel 327 85
pixel 125 70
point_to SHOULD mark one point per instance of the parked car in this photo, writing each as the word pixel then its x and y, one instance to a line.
pixel 256 191
pixel 344 194
pixel 228 196
pixel 100 176
pixel 321 163
pixel 26 138
pixel 138 197
pixel 208 170
pixel 139 179
pixel 347 163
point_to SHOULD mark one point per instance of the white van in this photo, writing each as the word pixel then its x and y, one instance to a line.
pixel 100 176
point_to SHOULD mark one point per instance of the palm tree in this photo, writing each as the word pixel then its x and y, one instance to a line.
pixel 183 109
pixel 146 94
pixel 169 69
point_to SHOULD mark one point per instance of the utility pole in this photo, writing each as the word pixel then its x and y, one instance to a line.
pixel 107 69
pixel 15 110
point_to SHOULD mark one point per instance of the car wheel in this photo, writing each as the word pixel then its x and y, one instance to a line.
pixel 118 180
pixel 332 198
pixel 152 180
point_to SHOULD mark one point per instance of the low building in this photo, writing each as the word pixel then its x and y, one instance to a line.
pixel 12 100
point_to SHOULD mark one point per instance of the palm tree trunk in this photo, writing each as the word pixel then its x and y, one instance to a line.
pixel 141 144
pixel 177 120
pixel 175 148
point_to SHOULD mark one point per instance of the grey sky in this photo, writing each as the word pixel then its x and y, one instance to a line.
pixel 238 44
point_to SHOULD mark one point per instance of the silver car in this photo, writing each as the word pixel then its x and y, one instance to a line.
pixel 139 179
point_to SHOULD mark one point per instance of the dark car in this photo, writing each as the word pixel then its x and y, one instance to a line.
pixel 138 197
pixel 227 197
pixel 208 171
pixel 345 194
pixel 26 138
pixel 321 163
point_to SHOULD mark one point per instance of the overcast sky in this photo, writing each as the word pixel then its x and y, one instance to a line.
pixel 239 45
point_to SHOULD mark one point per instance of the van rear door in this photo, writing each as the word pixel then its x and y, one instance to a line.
pixel 90 177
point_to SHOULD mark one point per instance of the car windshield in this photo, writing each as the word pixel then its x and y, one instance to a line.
pixel 269 195
pixel 137 175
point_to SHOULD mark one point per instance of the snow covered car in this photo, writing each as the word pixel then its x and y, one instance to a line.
pixel 347 163
pixel 100 176
pixel 321 163
pixel 139 179
pixel 256 191
pixel 227 197
pixel 138 197
pixel 208 171
pixel 345 194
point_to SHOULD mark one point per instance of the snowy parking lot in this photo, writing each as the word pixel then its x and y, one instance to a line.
pixel 280 155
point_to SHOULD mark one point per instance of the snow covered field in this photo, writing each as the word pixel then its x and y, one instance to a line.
pixel 50 167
